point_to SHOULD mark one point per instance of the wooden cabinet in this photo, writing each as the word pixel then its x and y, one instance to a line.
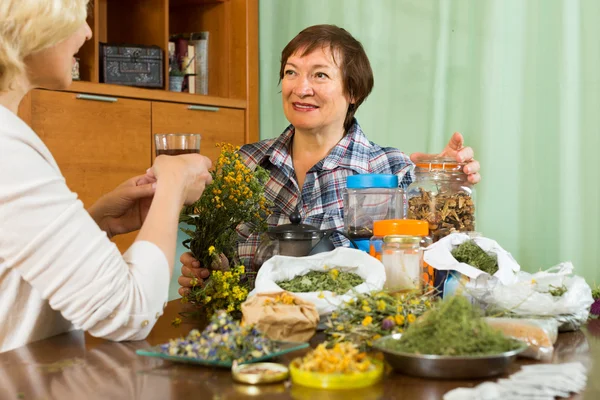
pixel 101 135
pixel 232 45
pixel 98 142
pixel 214 124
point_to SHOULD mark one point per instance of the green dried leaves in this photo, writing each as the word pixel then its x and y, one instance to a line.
pixel 470 253
pixel 316 281
pixel 455 328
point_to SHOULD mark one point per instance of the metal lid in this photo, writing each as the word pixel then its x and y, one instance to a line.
pixel 260 373
pixel 295 230
pixel 365 181
pixel 402 239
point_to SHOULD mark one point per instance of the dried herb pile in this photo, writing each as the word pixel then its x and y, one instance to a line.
pixel 369 316
pixel 334 280
pixel 446 212
pixel 470 253
pixel 455 328
pixel 224 339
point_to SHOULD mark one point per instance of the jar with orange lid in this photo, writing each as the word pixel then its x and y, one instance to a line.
pixel 442 195
pixel 402 258
pixel 406 227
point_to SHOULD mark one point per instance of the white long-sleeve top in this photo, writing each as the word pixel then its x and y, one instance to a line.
pixel 58 269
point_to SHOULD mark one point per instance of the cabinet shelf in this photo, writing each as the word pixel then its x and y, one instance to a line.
pixel 104 89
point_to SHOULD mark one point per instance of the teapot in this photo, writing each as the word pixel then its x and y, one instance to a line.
pixel 294 239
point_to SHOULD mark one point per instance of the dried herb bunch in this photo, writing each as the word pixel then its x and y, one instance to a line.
pixel 235 196
pixel 372 315
pixel 470 253
pixel 334 280
pixel 224 339
pixel 445 211
pixel 454 328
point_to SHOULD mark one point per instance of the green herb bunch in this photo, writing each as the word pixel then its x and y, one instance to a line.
pixel 454 328
pixel 470 253
pixel 333 280
pixel 369 316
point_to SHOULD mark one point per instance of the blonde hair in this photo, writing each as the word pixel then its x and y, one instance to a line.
pixel 28 26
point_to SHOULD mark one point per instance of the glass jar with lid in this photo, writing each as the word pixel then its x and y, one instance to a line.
pixel 442 195
pixel 402 257
pixel 369 198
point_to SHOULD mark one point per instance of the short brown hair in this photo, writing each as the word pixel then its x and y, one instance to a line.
pixel 357 74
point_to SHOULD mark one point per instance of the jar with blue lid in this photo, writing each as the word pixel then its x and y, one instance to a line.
pixel 369 198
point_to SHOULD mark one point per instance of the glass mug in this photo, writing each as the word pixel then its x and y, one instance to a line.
pixel 174 144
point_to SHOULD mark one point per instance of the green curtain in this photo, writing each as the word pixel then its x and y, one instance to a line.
pixel 520 79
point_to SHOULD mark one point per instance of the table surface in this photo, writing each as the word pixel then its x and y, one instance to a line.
pixel 76 366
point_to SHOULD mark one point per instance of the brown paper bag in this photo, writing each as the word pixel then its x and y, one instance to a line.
pixel 288 322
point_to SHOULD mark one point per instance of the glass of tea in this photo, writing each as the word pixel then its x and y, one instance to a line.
pixel 174 144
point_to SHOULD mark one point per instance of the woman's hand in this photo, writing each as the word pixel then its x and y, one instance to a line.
pixel 125 208
pixel 192 271
pixel 189 169
pixel 456 150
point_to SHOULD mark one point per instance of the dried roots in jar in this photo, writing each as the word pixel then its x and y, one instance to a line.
pixel 446 212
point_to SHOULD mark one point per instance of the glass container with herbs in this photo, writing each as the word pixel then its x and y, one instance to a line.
pixel 442 195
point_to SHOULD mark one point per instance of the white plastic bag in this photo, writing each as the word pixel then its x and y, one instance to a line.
pixel 283 268
pixel 439 256
pixel 529 295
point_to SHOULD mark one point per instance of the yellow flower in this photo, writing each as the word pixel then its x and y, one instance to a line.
pixel 367 321
pixel 414 302
pixel 378 336
pixel 381 306
pixel 176 322
pixel 334 273
pixel 211 250
pixel 411 318
pixel 366 309
pixel 399 309
pixel 340 328
pixel 207 299
pixel 399 319
pixel 321 295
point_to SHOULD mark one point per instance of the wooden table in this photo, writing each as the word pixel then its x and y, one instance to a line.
pixel 76 366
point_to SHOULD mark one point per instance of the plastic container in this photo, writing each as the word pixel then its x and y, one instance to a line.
pixel 320 380
pixel 369 198
pixel 442 195
pixel 402 257
pixel 397 227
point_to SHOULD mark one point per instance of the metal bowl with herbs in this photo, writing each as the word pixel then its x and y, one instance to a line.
pixel 450 341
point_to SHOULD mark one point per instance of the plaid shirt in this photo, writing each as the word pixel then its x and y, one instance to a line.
pixel 320 201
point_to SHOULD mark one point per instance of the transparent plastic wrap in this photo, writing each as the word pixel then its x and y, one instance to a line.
pixel 539 334
pixel 552 293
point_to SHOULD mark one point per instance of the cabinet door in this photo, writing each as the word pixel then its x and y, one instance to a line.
pixel 215 125
pixel 98 142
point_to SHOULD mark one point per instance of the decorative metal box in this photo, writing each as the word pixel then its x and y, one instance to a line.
pixel 132 65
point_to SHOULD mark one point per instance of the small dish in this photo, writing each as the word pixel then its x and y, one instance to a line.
pixel 258 373
pixel 320 380
pixel 447 367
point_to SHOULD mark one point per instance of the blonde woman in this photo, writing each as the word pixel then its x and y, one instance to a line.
pixel 58 269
